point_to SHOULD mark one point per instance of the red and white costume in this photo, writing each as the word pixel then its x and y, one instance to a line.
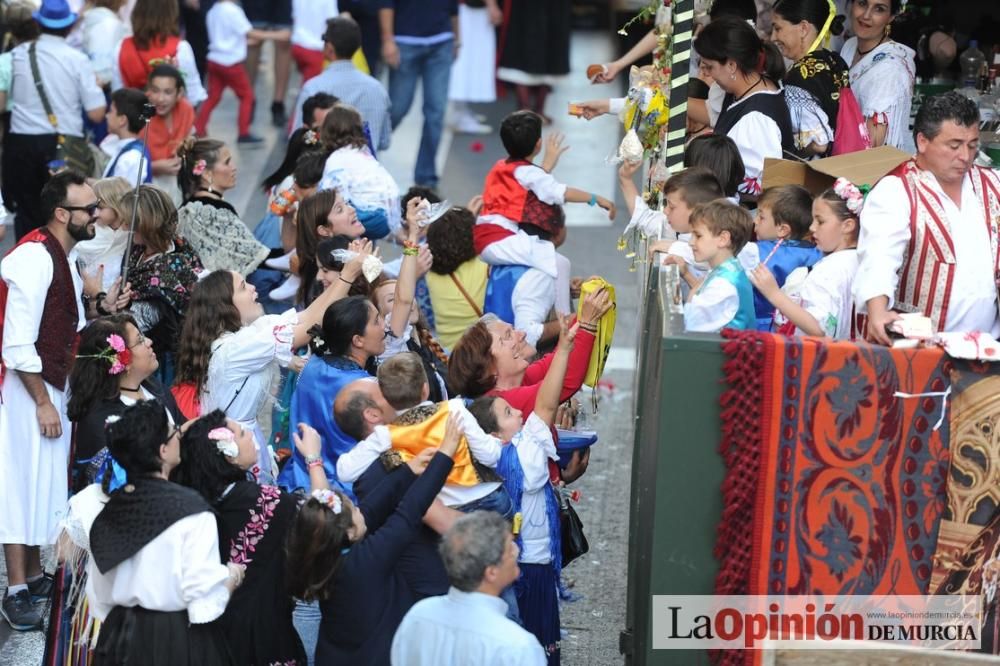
pixel 928 254
pixel 519 191
pixel 42 288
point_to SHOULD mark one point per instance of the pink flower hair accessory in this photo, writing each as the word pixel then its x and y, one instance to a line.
pixel 852 195
pixel 117 354
pixel 330 499
pixel 199 167
pixel 225 441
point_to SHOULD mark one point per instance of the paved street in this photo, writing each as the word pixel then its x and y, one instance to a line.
pixel 593 622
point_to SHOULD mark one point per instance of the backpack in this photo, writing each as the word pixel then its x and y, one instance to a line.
pixel 851 133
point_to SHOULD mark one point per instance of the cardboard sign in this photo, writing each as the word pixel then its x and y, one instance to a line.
pixel 864 167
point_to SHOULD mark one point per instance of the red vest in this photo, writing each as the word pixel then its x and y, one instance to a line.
pixel 928 269
pixel 503 195
pixel 56 343
pixel 136 64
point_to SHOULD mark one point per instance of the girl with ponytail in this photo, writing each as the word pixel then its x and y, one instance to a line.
pixel 754 113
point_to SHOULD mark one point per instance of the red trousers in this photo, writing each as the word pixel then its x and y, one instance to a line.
pixel 309 62
pixel 221 77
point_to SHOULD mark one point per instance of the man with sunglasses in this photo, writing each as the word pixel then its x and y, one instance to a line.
pixel 40 298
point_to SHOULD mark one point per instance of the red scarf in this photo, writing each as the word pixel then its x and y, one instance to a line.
pixel 164 141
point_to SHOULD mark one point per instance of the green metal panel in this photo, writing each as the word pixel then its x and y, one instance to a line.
pixel 677 475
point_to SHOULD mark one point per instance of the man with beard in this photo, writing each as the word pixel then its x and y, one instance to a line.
pixel 40 297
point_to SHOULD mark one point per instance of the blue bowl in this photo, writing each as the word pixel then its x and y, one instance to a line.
pixel 572 440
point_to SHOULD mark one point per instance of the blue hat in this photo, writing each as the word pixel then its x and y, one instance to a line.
pixel 54 14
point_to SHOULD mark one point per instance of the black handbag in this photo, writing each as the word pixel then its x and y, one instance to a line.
pixel 574 541
pixel 73 151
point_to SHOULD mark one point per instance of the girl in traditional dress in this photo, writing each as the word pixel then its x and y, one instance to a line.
pixel 882 72
pixel 155 579
pixel 754 113
pixel 168 129
pixel 813 83
pixel 230 350
pixel 253 520
pixel 819 300
pixel 206 220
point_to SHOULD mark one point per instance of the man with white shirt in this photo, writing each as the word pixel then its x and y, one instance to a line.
pixel 468 625
pixel 41 283
pixel 929 237
pixel 70 87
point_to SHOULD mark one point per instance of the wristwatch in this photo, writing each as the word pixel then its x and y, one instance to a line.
pixel 311 460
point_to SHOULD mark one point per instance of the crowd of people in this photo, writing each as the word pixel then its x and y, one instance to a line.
pixel 256 442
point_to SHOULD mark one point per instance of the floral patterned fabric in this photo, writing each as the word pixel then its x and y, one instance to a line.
pixel 219 236
pixel 847 482
pixel 168 277
pixel 812 90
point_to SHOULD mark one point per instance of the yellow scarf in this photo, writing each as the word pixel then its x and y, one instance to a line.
pixel 409 440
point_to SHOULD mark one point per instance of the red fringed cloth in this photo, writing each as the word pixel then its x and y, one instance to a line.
pixel 834 485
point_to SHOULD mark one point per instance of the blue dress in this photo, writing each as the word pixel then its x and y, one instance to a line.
pixel 312 402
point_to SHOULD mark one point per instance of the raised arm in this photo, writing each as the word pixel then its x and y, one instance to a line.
pixel 313 315
pixel 406 283
pixel 550 392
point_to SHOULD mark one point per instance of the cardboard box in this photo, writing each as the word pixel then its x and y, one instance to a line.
pixel 864 167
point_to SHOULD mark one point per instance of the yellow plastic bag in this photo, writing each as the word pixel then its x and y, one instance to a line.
pixel 605 330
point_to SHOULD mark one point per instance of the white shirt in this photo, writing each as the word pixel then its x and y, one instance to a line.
pixel 129 164
pixel 486 449
pixel 227 33
pixel 533 297
pixel 106 248
pixel 309 22
pixel 178 570
pixel 69 83
pixel 885 234
pixel 711 307
pixel 193 89
pixel 535 448
pixel 757 136
pixel 28 270
pixel 248 354
pixel 463 628
pixel 361 179
pixel 102 29
pixel 825 292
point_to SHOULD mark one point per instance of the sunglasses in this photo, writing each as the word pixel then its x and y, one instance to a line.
pixel 90 209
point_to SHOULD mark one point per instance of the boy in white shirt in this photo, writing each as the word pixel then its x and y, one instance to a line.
pixel 123 143
pixel 724 298
pixel 420 424
pixel 229 31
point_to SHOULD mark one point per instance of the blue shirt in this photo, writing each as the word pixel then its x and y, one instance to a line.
pixel 343 80
pixel 422 18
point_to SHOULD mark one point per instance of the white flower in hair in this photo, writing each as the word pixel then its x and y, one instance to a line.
pixel 329 498
pixel 225 441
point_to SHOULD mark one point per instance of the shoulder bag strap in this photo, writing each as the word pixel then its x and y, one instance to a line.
pixel 237 394
pixel 33 60
pixel 468 299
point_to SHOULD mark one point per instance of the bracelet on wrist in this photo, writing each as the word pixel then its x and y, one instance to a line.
pixel 313 460
pixel 410 251
pixel 341 278
pixel 590 328
pixel 410 244
pixel 593 200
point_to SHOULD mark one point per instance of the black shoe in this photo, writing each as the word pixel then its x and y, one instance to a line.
pixel 20 613
pixel 41 589
pixel 278 116
pixel 249 141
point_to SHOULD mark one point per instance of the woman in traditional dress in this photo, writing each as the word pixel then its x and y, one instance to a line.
pixel 206 220
pixel 253 519
pixel 754 113
pixel 534 49
pixel 813 83
pixel 230 350
pixel 113 370
pixel 155 579
pixel 163 269
pixel 882 72
pixel 155 39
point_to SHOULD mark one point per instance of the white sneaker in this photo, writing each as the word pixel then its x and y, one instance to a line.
pixel 286 290
pixel 282 263
pixel 467 124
